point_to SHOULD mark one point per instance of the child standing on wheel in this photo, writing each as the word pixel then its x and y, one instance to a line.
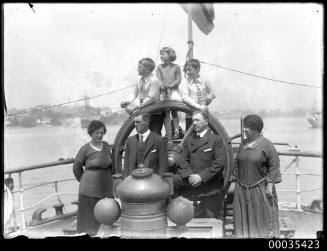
pixel 169 76
pixel 195 90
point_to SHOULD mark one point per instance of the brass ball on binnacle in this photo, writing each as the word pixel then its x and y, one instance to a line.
pixel 180 210
pixel 107 211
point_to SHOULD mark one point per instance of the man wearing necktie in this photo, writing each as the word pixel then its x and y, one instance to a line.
pixel 145 148
pixel 200 173
pixel 146 92
pixel 195 90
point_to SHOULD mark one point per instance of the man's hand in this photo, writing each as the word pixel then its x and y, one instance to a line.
pixel 131 108
pixel 123 104
pixel 195 180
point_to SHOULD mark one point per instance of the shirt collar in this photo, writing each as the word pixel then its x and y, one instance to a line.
pixel 201 134
pixel 193 81
pixel 253 144
pixel 146 79
pixel 145 135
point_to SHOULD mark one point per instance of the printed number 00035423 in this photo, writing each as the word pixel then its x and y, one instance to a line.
pixel 293 244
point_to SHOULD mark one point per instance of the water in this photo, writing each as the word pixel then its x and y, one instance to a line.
pixel 28 146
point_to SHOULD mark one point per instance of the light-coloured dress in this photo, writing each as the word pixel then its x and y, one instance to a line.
pixel 171 75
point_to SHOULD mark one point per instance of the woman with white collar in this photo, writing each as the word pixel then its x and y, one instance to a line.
pixel 257 172
pixel 93 169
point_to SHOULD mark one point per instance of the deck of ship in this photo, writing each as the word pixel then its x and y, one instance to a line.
pixel 306 224
pixel 301 225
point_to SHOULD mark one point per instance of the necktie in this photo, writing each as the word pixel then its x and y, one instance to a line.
pixel 141 138
pixel 198 90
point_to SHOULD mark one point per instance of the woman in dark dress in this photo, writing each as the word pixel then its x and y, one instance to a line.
pixel 257 172
pixel 93 169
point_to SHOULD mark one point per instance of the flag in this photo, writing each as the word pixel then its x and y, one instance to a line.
pixel 203 15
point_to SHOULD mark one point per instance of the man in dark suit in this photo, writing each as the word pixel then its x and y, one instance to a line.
pixel 146 148
pixel 200 173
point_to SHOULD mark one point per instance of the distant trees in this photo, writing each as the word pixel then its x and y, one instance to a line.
pixel 57 115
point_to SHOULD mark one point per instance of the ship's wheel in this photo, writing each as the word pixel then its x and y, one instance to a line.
pixel 168 105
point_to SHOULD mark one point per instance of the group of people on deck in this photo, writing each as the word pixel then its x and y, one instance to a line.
pixel 199 175
pixel 169 84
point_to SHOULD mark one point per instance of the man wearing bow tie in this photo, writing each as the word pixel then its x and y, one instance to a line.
pixel 200 173
pixel 145 148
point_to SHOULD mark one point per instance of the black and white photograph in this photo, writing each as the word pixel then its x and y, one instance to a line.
pixel 163 120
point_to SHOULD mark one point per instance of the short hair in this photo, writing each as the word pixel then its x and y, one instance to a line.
pixel 171 53
pixel 204 114
pixel 254 122
pixel 148 64
pixel 95 125
pixel 194 63
pixel 145 116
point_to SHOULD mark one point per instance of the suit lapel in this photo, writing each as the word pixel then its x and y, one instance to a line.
pixel 134 153
pixel 195 143
pixel 150 141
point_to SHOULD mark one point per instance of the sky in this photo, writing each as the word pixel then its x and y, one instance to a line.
pixel 61 52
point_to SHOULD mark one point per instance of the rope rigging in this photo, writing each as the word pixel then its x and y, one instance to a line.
pixel 219 66
pixel 70 102
pixel 257 76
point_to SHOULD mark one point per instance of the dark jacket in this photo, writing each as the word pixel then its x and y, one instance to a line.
pixel 204 156
pixel 155 156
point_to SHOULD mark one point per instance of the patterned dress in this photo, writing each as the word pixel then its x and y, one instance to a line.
pixel 255 215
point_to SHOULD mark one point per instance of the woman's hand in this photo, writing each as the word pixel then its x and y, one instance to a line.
pixel 269 192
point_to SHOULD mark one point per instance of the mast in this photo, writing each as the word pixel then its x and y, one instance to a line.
pixel 190 34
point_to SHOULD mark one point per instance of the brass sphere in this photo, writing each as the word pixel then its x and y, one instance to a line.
pixel 107 211
pixel 180 210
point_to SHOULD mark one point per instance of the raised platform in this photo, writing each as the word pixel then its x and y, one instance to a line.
pixel 196 228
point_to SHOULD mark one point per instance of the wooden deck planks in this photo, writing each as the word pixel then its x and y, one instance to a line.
pixel 306 223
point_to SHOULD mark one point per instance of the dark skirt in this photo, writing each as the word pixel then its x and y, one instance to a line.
pixel 255 216
pixel 86 222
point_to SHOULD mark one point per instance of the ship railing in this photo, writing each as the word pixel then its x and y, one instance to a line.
pixel 295 152
pixel 22 209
